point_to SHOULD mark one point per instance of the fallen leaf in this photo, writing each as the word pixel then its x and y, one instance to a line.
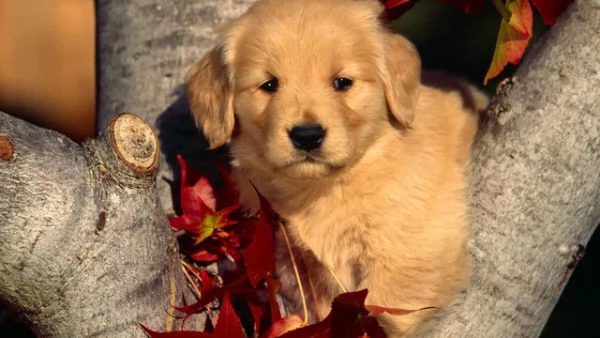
pixel 228 324
pixel 513 37
pixel 391 4
pixel 208 284
pixel 348 319
pixel 372 328
pixel 203 256
pixel 202 221
pixel 273 287
pixel 347 314
pixel 216 221
pixel 227 194
pixel 208 297
pixel 395 8
pixel 257 313
pixel 195 191
pixel 321 329
pixel 283 325
pixel 175 334
pixel 259 256
pixel 551 9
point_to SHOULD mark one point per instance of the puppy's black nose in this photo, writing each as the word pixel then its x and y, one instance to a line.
pixel 307 137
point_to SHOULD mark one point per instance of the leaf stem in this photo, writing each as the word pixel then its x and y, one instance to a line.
pixel 169 321
pixel 295 266
pixel 312 287
pixel 191 281
pixel 501 7
pixel 330 269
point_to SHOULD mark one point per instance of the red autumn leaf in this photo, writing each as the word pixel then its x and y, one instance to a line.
pixel 206 223
pixel 227 193
pixel 348 318
pixel 190 221
pixel 208 284
pixel 259 256
pixel 347 313
pixel 228 324
pixel 203 256
pixel 513 37
pixel 273 287
pixel 372 328
pixel 321 329
pixel 551 9
pixel 255 303
pixel 195 192
pixel 391 4
pixel 203 221
pixel 257 312
pixel 283 325
pixel 175 334
pixel 220 244
pixel 395 8
pixel 215 221
pixel 233 288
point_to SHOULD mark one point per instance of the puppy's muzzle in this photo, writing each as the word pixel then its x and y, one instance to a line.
pixel 307 137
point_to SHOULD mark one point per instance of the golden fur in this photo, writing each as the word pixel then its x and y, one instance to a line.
pixel 382 201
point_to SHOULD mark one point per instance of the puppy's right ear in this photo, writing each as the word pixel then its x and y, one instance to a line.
pixel 210 97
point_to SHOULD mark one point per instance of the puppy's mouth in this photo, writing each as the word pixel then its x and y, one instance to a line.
pixel 310 164
pixel 308 157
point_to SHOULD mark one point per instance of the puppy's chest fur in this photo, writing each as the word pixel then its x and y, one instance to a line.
pixel 373 212
pixel 340 229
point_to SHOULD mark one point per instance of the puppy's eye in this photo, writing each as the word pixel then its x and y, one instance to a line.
pixel 342 84
pixel 270 86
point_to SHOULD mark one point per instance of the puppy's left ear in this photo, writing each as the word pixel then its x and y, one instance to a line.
pixel 402 77
pixel 210 97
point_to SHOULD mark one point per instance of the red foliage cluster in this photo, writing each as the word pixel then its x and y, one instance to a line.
pixel 213 229
pixel 515 28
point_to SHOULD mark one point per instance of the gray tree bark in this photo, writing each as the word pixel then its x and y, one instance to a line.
pixel 144 50
pixel 535 181
pixel 85 249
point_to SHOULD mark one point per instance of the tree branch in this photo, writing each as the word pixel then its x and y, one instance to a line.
pixel 144 49
pixel 535 183
pixel 85 249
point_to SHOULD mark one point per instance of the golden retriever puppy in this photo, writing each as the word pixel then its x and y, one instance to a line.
pixel 327 116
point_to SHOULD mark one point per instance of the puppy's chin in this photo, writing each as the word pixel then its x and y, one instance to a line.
pixel 308 169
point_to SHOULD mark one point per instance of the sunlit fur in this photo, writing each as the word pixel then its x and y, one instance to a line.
pixel 382 202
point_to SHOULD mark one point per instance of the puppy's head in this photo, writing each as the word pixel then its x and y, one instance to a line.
pixel 309 85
